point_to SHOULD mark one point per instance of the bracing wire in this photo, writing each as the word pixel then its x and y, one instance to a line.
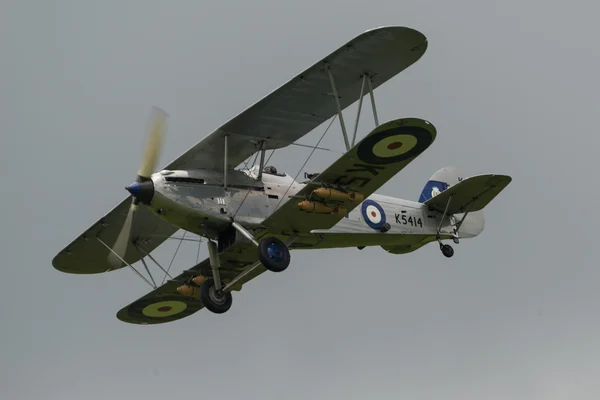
pixel 173 259
pixel 306 161
pixel 250 189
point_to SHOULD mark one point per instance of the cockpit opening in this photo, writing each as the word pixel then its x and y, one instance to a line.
pixel 270 169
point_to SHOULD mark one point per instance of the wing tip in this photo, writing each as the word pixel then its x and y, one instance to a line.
pixel 159 307
pixel 60 264
pixel 397 28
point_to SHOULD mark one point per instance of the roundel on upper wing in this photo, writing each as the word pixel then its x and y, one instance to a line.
pixel 373 214
pixel 394 145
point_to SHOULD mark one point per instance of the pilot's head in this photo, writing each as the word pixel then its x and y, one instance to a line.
pixel 269 169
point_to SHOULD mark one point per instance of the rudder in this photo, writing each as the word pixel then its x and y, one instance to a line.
pixel 440 181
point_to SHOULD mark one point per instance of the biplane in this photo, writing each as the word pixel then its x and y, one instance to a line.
pixel 251 216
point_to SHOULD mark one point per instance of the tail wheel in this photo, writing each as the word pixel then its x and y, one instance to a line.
pixel 214 301
pixel 447 250
pixel 273 254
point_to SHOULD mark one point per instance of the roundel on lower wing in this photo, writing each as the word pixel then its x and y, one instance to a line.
pixel 394 145
pixel 373 214
pixel 162 309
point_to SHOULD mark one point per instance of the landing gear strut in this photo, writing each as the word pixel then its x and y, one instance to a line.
pixel 272 253
pixel 213 296
pixel 446 249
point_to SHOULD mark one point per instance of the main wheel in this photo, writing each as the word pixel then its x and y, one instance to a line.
pixel 213 301
pixel 273 254
pixel 447 250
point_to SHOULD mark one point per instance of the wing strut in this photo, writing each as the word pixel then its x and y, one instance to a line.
pixel 130 266
pixel 225 163
pixel 362 88
pixel 369 81
pixel 339 108
pixel 144 253
pixel 156 262
pixel 262 161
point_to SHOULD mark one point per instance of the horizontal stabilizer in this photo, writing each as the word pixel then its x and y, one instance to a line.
pixel 469 195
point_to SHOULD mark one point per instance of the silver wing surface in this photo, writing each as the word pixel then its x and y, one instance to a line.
pixel 306 101
pixel 279 119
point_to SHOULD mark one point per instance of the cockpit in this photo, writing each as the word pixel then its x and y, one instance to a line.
pixel 271 170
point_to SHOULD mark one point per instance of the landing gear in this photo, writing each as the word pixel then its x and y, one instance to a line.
pixel 447 250
pixel 273 254
pixel 215 300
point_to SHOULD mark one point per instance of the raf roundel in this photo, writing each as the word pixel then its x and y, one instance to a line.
pixel 164 308
pixel 373 214
pixel 394 145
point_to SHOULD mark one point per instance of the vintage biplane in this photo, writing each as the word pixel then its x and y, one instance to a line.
pixel 251 217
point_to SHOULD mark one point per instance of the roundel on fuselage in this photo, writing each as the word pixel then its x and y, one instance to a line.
pixel 373 214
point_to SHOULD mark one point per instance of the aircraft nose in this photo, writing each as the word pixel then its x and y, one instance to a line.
pixel 143 191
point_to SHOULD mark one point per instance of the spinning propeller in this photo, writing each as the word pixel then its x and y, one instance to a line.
pixel 142 190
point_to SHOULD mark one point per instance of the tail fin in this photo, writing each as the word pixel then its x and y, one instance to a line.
pixel 446 177
pixel 440 181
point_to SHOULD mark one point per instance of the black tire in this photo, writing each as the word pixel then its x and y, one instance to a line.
pixel 386 227
pixel 447 250
pixel 273 254
pixel 213 302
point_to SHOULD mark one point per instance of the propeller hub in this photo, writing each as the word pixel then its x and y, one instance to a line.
pixel 142 191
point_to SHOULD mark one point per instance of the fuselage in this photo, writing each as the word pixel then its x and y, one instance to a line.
pixel 197 201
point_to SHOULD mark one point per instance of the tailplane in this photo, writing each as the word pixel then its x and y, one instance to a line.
pixel 459 204
pixel 462 199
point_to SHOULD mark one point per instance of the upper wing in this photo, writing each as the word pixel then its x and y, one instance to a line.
pixel 280 118
pixel 364 168
pixel 166 304
pixel 471 194
pixel 306 101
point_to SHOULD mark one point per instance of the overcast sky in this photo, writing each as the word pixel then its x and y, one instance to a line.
pixel 512 88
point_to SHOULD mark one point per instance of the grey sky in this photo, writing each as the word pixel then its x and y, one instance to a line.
pixel 511 87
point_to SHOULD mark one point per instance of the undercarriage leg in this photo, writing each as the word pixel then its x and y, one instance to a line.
pixel 446 249
pixel 211 293
pixel 215 264
pixel 244 232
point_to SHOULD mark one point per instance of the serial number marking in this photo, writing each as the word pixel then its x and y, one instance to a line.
pixel 361 181
pixel 402 219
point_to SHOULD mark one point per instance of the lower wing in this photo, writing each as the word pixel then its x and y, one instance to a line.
pixel 167 304
pixel 355 176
